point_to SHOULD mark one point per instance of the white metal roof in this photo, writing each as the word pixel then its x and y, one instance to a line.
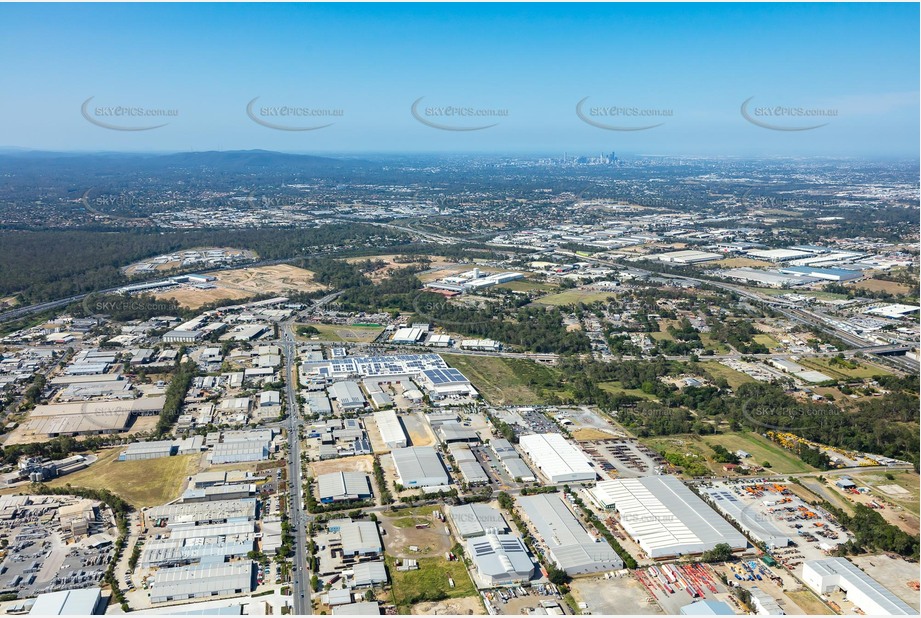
pixel 556 457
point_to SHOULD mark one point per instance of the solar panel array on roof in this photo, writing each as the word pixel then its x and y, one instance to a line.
pixel 448 375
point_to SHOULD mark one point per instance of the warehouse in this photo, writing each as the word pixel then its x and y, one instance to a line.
pixel 364 608
pixel 180 551
pixel 777 255
pixel 360 538
pixel 446 382
pixel 568 544
pixel 558 460
pixel 85 602
pixel 767 278
pixel 239 452
pixel 368 574
pixel 473 473
pixel 503 448
pixel 392 432
pixel 202 581
pixel 219 492
pixel 518 469
pixel 182 336
pixel 148 450
pixel 472 520
pixel 348 394
pixel 688 257
pixel 827 575
pixel 461 452
pixel 419 466
pixel 407 336
pixel 198 513
pixel 500 559
pixel 452 432
pixel 90 417
pixel 759 528
pixel 664 517
pixel 343 486
pixel 828 274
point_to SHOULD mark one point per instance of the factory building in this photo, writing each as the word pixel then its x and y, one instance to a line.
pixel 664 517
pixel 827 575
pixel 473 520
pixel 360 538
pixel 473 473
pixel 343 486
pixel 86 602
pixel 827 274
pixel 500 559
pixel 348 394
pixel 558 460
pixel 202 581
pixel 363 608
pixel 239 452
pixel 568 544
pixel 148 450
pixel 518 469
pixel 392 432
pixel 198 513
pixel 368 574
pixel 419 466
pixel 453 431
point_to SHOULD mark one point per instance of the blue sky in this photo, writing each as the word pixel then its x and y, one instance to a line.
pixel 693 66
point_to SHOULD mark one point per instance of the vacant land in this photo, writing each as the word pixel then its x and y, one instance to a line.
pixel 464 606
pixel 843 369
pixel 391 264
pixel 142 483
pixel 502 381
pixel 358 463
pixel 767 341
pixel 761 449
pixel 735 378
pixel 344 332
pixel 810 603
pixel 572 297
pixel 878 285
pixel 442 269
pixel 527 286
pixel 589 434
pixel 616 387
pixel 430 582
pixel 245 283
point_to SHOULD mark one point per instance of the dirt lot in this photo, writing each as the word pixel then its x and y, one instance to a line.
pixel 391 266
pixel 464 606
pixel 449 269
pixel 245 283
pixel 359 463
pixel 878 285
pixel 623 595
pixel 894 573
pixel 588 435
pixel 401 533
pixel 418 430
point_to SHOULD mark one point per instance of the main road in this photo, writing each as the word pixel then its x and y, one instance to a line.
pixel 301 576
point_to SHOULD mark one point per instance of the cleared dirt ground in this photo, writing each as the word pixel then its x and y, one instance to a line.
pixel 244 283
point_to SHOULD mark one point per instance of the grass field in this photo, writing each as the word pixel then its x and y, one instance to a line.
pixel 429 582
pixel 735 378
pixel 809 603
pixel 711 344
pixel 347 333
pixel 616 387
pixel 863 370
pixel 571 297
pixel 527 286
pixel 143 483
pixel 878 285
pixel 767 341
pixel 761 450
pixel 502 381
pixel 407 518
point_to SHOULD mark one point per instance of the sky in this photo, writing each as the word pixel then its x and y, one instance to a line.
pixel 672 79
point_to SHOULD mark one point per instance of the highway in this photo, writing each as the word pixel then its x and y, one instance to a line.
pixel 301 576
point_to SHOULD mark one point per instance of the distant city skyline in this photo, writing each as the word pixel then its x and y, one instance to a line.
pixel 736 80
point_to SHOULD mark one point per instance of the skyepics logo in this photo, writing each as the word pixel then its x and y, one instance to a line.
pixel 758 517
pixel 109 205
pixel 125 117
pixel 291 117
pixel 621 117
pixel 784 117
pixel 754 200
pixel 108 305
pixel 456 117
pixel 788 419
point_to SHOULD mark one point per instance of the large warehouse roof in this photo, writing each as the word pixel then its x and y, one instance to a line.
pixel 67 603
pixel 665 517
pixel 419 466
pixel 476 519
pixel 392 433
pixel 202 580
pixel 343 486
pixel 360 537
pixel 500 558
pixel 864 591
pixel 556 458
pixel 572 548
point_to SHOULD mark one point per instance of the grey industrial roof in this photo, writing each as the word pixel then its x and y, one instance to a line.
pixel 852 579
pixel 365 608
pixel 498 555
pixel 347 393
pixel 475 519
pixel 517 468
pixel 473 472
pixel 202 579
pixel 343 484
pixel 571 546
pixel 369 573
pixel 418 462
pixel 503 448
pixel 454 431
pixel 665 517
pixel 360 537
pixel 67 603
